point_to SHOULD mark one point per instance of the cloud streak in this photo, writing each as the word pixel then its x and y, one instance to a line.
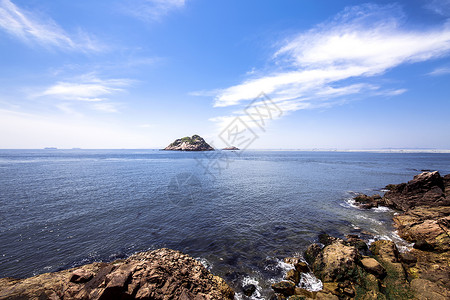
pixel 335 59
pixel 30 29
pixel 153 10
pixel 87 88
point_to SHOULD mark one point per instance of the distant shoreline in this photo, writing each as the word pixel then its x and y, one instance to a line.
pixel 442 151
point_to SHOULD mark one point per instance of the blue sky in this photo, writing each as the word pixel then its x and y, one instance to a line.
pixel 140 73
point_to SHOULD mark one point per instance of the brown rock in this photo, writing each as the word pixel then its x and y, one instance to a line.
pixel 427 290
pixel 428 227
pixel 305 293
pixel 367 202
pixel 293 275
pixel 336 262
pixel 374 267
pixel 287 288
pixel 80 275
pixel 426 188
pixel 159 274
pixel 386 250
pixel 302 267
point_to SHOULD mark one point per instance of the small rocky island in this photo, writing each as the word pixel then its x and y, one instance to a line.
pixel 194 143
pixel 231 148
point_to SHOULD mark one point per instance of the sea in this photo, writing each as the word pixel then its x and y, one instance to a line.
pixel 238 212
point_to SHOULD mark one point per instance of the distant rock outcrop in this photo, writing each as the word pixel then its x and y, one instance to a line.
pixel 231 148
pixel 194 143
pixel 426 189
pixel 159 274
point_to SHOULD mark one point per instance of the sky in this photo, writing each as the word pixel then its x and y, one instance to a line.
pixel 134 74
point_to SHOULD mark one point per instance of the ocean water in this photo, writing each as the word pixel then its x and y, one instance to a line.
pixel 239 213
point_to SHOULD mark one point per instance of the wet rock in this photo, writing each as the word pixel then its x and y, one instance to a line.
pixel 327 239
pixel 366 202
pixel 249 289
pixel 302 267
pixel 159 274
pixel 336 262
pixel 292 260
pixel 293 275
pixel 355 241
pixel 374 267
pixel 286 288
pixel 311 253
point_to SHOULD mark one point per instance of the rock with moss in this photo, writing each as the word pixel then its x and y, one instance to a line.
pixel 194 143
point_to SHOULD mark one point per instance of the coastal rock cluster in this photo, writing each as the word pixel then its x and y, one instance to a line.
pixel 350 269
pixel 159 274
pixel 194 143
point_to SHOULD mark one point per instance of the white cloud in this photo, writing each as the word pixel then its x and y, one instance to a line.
pixel 152 10
pixel 105 107
pixel 30 29
pixel 359 43
pixel 86 88
pixel 440 71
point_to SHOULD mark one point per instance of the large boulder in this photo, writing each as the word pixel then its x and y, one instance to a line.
pixel 427 227
pixel 194 143
pixel 336 262
pixel 159 274
pixel 427 188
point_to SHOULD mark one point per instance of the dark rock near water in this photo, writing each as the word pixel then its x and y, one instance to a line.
pixel 311 253
pixel 367 202
pixel 194 143
pixel 293 275
pixel 286 288
pixel 159 274
pixel 231 148
pixel 327 239
pixel 248 289
pixel 427 188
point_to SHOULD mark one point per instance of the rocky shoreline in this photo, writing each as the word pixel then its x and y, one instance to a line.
pixel 349 267
pixel 159 274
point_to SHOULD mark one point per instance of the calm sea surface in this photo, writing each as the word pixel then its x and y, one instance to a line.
pixel 238 215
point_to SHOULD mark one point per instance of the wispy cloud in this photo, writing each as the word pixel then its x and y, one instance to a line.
pixel 441 7
pixel 440 71
pixel 86 88
pixel 31 29
pixel 335 59
pixel 152 10
pixel 86 91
